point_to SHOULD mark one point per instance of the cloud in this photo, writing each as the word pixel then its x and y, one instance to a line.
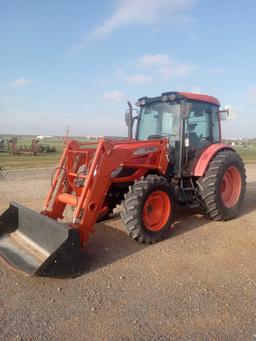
pixel 196 89
pixel 141 12
pixel 20 82
pixel 164 66
pixel 139 79
pixel 176 70
pixel 153 60
pixel 114 96
pixel 251 95
pixel 216 69
pixel 136 78
pixel 138 12
pixel 153 67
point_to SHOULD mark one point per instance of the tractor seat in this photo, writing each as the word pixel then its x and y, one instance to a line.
pixel 193 139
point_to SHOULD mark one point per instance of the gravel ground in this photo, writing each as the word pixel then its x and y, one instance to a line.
pixel 200 284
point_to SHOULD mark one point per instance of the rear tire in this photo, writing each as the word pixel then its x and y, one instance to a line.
pixel 147 210
pixel 222 188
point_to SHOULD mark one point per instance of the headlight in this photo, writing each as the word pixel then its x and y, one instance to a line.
pixel 164 98
pixel 141 101
pixel 172 97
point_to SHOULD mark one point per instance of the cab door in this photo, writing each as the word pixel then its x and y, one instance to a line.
pixel 201 130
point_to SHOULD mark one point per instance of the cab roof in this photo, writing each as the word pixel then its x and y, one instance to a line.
pixel 187 95
pixel 200 97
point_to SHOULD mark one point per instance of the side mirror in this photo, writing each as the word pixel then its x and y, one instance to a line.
pixel 129 119
pixel 223 115
pixel 228 113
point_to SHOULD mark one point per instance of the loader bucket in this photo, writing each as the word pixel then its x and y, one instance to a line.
pixel 34 243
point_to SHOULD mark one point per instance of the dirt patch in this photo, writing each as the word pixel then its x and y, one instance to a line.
pixel 198 284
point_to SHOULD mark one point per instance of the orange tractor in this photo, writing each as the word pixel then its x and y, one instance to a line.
pixel 176 155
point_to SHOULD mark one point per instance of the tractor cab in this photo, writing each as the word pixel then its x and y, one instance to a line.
pixel 191 122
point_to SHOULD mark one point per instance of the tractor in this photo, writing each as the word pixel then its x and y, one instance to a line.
pixel 173 155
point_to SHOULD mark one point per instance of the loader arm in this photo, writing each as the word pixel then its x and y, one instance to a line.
pixel 86 190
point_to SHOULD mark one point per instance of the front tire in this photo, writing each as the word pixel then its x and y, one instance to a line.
pixel 222 188
pixel 147 210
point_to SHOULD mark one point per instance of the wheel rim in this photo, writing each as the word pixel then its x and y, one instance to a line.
pixel 156 210
pixel 231 187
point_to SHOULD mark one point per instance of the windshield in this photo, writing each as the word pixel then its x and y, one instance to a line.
pixel 159 119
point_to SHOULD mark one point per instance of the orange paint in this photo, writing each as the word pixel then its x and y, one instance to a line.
pixel 231 187
pixel 86 190
pixel 156 210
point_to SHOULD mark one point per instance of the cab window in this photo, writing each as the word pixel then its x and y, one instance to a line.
pixel 202 127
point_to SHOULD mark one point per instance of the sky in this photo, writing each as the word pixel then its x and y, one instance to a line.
pixel 76 63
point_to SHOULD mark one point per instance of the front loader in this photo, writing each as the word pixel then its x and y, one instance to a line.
pixel 176 155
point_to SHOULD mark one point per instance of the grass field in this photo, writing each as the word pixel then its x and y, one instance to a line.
pixel 247 153
pixel 8 161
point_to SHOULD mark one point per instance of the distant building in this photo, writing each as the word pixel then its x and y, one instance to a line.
pixel 41 137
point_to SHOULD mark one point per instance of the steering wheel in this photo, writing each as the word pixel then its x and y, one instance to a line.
pixel 200 138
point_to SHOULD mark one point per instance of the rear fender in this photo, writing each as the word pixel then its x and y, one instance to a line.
pixel 207 156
